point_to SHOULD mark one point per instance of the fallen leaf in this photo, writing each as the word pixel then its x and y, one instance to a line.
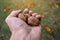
pixel 49 30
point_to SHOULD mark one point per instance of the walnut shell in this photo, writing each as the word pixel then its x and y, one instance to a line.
pixel 27 15
pixel 22 16
pixel 33 21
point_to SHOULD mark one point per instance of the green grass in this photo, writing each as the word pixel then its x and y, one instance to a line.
pixel 42 7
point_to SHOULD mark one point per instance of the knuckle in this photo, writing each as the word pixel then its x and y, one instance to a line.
pixel 13 11
pixel 7 19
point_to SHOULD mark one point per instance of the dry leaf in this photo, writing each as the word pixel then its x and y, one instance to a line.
pixel 49 30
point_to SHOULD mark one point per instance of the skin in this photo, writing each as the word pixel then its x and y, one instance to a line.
pixel 20 30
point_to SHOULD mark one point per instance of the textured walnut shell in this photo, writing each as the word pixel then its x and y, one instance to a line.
pixel 27 15
pixel 33 21
pixel 22 16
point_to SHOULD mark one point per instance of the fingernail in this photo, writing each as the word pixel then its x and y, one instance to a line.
pixel 30 12
pixel 38 16
pixel 26 11
pixel 34 14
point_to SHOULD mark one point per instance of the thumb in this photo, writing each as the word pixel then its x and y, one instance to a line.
pixel 15 13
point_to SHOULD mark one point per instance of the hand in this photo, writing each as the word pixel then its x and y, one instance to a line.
pixel 19 27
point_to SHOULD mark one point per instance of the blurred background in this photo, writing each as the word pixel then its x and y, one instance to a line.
pixel 49 9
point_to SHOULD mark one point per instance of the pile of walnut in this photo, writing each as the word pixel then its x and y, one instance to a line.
pixel 30 20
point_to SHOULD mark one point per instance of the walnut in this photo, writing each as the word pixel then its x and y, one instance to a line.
pixel 22 16
pixel 33 21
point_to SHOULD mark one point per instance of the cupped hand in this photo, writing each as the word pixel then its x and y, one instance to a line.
pixel 19 27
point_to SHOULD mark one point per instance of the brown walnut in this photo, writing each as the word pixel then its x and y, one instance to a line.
pixel 22 16
pixel 31 20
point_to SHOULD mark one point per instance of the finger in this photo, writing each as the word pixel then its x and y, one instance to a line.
pixel 30 12
pixel 34 14
pixel 38 16
pixel 15 13
pixel 26 11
